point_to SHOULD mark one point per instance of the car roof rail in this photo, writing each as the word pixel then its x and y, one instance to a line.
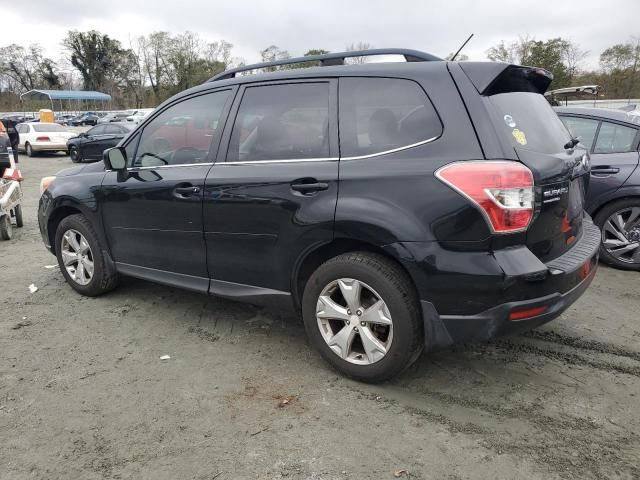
pixel 330 59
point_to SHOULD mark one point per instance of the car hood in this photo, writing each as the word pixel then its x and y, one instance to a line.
pixel 88 168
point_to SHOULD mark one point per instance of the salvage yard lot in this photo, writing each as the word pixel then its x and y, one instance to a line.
pixel 84 394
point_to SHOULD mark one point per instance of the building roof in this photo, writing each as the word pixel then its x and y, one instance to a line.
pixel 66 95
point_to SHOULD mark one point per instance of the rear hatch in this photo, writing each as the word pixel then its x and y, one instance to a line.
pixel 531 132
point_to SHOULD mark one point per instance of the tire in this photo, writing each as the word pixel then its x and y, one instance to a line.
pixel 104 277
pixel 74 153
pixel 381 278
pixel 631 259
pixel 29 150
pixel 6 230
pixel 18 213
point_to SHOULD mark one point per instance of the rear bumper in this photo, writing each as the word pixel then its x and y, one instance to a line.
pixel 471 296
pixel 48 147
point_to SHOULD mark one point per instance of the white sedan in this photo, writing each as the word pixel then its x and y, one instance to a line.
pixel 139 115
pixel 43 137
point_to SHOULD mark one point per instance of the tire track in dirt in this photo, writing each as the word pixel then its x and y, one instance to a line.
pixel 582 344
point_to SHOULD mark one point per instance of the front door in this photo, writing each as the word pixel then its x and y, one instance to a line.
pixel 274 197
pixel 152 212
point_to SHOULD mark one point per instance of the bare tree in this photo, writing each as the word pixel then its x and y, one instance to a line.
pixel 355 48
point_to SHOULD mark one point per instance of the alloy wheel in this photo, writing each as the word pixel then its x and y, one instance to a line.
pixel 77 257
pixel 621 235
pixel 354 321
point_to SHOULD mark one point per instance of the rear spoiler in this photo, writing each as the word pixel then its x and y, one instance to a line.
pixel 491 78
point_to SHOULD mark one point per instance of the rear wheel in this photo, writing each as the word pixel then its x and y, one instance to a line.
pixel 29 149
pixel 82 259
pixel 361 313
pixel 18 214
pixel 620 225
pixel 6 230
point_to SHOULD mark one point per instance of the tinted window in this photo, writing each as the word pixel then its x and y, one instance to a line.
pixel 583 129
pixel 528 121
pixel 48 127
pixel 379 114
pixel 614 138
pixel 280 122
pixel 112 130
pixel 99 130
pixel 183 133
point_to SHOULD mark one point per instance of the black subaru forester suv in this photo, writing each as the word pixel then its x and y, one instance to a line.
pixel 399 207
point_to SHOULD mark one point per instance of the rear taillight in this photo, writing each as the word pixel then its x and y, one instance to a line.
pixel 43 139
pixel 503 191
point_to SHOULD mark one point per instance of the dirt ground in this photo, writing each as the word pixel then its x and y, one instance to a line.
pixel 84 394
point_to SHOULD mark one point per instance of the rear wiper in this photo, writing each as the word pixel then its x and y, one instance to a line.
pixel 571 143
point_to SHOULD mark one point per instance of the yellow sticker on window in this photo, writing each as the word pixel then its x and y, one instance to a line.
pixel 519 135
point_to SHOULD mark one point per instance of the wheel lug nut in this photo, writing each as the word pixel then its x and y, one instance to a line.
pixel 348 312
pixel 362 324
pixel 348 322
pixel 359 312
pixel 355 329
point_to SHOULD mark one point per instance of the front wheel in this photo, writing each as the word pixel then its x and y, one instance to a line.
pixel 620 225
pixel 74 153
pixel 83 261
pixel 361 312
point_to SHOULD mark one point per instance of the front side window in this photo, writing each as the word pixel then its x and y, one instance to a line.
pixel 584 129
pixel 99 130
pixel 282 122
pixel 613 138
pixel 382 114
pixel 183 133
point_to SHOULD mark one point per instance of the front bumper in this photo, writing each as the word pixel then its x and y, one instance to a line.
pixel 491 288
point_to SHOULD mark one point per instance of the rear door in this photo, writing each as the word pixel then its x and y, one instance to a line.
pixel 275 195
pixel 614 153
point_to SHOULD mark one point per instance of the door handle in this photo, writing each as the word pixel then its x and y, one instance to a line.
pixel 309 187
pixel 185 192
pixel 604 171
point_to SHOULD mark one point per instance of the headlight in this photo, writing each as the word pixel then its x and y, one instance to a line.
pixel 45 182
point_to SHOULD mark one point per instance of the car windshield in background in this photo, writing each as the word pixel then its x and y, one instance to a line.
pixel 49 127
pixel 127 126
pixel 529 121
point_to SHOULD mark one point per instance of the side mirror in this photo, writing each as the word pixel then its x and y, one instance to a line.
pixel 83 134
pixel 115 158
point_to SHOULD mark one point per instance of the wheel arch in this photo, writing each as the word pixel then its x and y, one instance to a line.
pixel 312 259
pixel 56 217
pixel 624 196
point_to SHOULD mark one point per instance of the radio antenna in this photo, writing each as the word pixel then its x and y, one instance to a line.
pixel 461 47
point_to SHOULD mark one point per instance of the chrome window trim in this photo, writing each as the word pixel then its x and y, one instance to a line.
pixel 393 150
pixel 293 160
pixel 203 164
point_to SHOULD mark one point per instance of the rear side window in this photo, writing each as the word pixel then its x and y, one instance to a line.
pixel 529 122
pixel 382 114
pixel 281 122
pixel 613 138
pixel 584 129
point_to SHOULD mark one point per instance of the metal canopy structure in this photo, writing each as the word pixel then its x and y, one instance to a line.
pixel 77 96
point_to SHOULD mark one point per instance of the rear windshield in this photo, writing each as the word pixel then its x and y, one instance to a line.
pixel 48 127
pixel 529 122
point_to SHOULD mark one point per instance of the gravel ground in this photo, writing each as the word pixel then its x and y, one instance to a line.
pixel 84 394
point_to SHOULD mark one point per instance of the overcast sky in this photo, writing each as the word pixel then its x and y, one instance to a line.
pixel 435 26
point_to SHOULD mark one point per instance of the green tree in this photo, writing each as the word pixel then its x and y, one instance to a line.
pixel 94 55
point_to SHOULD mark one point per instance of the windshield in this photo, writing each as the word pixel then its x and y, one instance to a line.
pixel 529 122
pixel 48 127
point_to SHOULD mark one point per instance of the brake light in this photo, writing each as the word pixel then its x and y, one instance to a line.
pixel 502 190
pixel 43 139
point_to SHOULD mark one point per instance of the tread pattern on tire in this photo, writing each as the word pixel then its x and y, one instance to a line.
pixel 399 279
pixel 109 278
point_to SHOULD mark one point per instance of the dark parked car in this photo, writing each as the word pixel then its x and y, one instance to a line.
pixel 397 206
pixel 89 146
pixel 612 137
pixel 88 118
